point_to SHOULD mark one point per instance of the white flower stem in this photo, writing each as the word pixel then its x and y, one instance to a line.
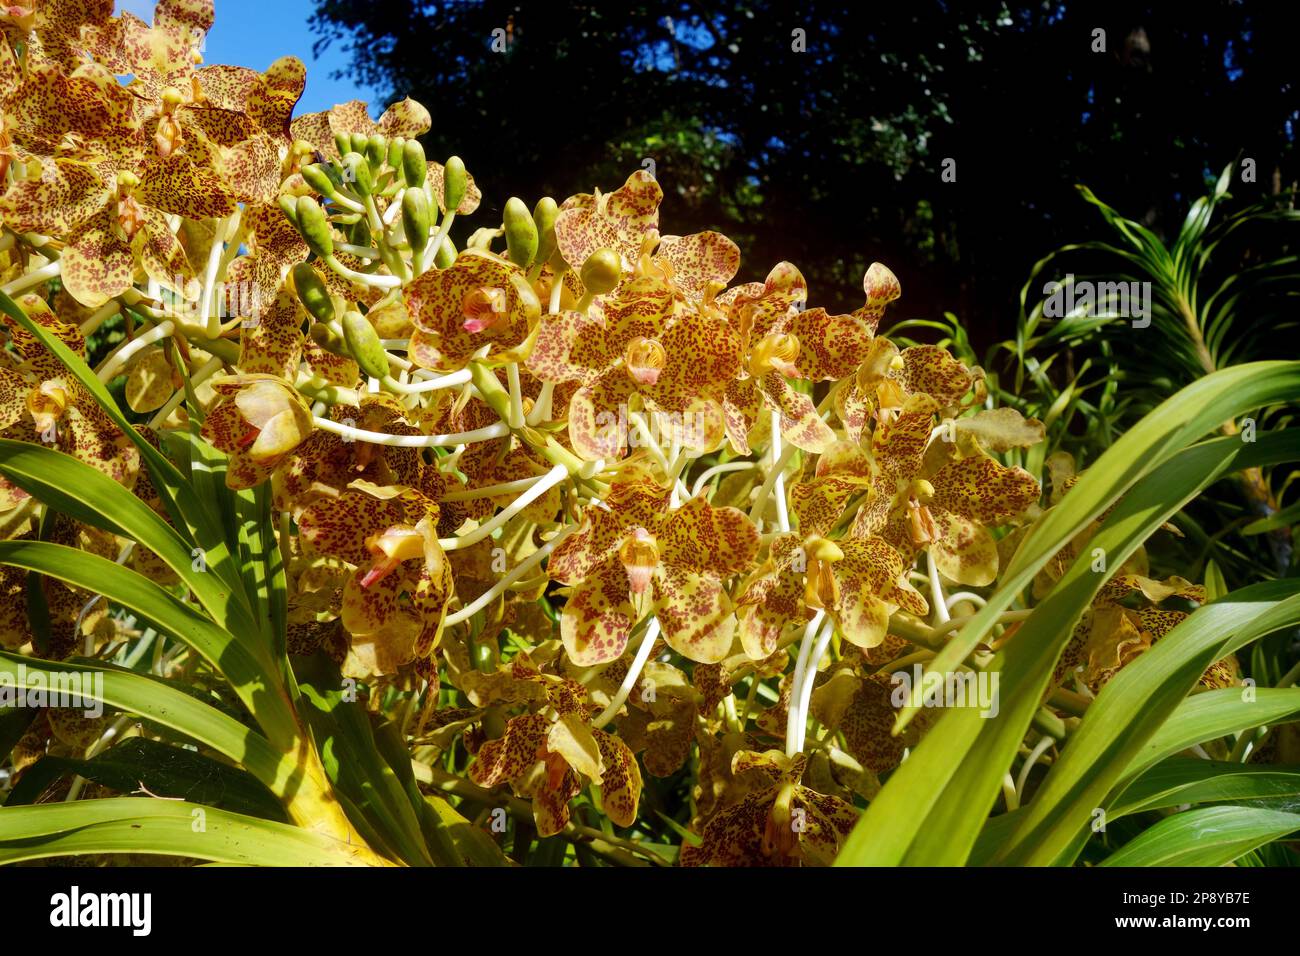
pixel 516 417
pixel 1039 749
pixel 363 278
pixel 490 491
pixel 960 596
pixel 557 290
pixel 809 679
pixel 630 679
pixel 487 597
pixel 101 315
pixel 778 468
pixel 937 598
pixel 499 430
pixel 429 384
pixel 541 410
pixel 716 470
pixel 35 278
pixel 540 487
pixel 115 362
pixel 792 711
pixel 783 519
pixel 211 318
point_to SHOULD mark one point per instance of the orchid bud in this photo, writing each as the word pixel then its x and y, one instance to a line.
pixel 521 232
pixel 445 255
pixel 357 143
pixel 343 143
pixel 318 179
pixel 376 150
pixel 414 166
pixel 454 183
pixel 395 146
pixel 357 172
pixel 602 271
pixel 415 218
pixel 363 343
pixel 288 206
pixel 312 292
pixel 314 227
pixel 326 338
pixel 544 215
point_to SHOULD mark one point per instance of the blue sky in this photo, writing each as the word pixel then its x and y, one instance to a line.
pixel 255 33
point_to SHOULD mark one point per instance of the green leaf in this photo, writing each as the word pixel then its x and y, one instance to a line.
pixel 166 827
pixel 1183 780
pixel 471 844
pixel 87 494
pixel 158 701
pixel 1279 519
pixel 186 508
pixel 249 671
pixel 353 759
pixel 1133 706
pixel 1210 836
pixel 932 808
pixel 163 771
pixel 1214 714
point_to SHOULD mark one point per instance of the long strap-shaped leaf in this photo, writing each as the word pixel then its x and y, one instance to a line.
pixel 87 494
pixel 166 827
pixel 251 674
pixel 1214 714
pixel 1027 664
pixel 164 705
pixel 1132 707
pixel 1187 780
pixel 184 506
pixel 1209 836
pixel 932 808
pixel 1193 412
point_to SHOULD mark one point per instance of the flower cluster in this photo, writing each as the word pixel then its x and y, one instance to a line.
pixel 598 511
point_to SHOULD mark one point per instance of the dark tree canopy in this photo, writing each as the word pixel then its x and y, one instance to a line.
pixel 834 156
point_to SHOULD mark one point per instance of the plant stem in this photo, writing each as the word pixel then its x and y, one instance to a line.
pixel 630 679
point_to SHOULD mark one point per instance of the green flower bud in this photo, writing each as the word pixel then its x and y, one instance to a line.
pixel 454 183
pixel 324 336
pixel 521 232
pixel 358 143
pixel 343 143
pixel 602 271
pixel 318 179
pixel 363 343
pixel 289 206
pixel 544 216
pixel 315 228
pixel 445 255
pixel 395 147
pixel 415 218
pixel 312 292
pixel 414 166
pixel 376 150
pixel 357 172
